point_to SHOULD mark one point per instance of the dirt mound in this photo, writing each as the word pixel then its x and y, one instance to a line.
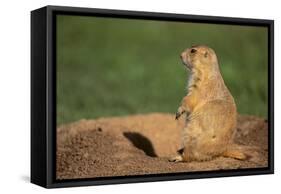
pixel 141 144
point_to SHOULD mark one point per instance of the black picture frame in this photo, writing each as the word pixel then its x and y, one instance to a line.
pixel 43 95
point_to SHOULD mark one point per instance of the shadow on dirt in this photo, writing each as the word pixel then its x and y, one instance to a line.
pixel 141 142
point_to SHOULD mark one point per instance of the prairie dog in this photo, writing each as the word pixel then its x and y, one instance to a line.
pixel 210 110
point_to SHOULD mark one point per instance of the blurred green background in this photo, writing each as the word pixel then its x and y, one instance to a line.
pixel 111 67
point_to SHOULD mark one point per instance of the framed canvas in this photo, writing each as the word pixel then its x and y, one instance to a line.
pixel 125 96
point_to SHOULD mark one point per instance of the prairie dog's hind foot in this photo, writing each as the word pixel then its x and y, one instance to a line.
pixel 235 154
pixel 177 158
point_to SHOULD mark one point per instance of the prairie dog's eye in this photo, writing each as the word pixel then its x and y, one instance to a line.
pixel 193 50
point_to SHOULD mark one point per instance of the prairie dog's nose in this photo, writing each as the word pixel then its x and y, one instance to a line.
pixel 182 55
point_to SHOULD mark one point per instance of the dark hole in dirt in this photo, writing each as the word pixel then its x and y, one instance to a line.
pixel 141 142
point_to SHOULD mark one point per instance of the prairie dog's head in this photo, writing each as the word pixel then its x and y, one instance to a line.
pixel 199 57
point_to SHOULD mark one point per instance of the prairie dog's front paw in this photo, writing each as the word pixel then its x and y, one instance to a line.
pixel 179 112
pixel 177 115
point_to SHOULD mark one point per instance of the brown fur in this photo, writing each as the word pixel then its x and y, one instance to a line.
pixel 210 110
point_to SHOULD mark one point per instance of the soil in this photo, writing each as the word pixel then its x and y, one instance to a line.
pixel 142 144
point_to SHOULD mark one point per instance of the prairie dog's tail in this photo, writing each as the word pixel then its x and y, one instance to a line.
pixel 235 152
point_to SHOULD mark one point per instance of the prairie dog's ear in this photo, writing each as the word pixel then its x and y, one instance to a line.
pixel 206 54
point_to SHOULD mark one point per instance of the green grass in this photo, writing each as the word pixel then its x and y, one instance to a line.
pixel 111 67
